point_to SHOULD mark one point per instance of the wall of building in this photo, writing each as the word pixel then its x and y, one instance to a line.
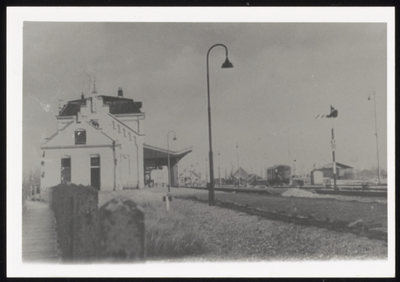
pixel 80 166
pixel 317 177
pixel 341 173
pixel 188 178
pixel 129 153
pixel 119 168
pixel 133 121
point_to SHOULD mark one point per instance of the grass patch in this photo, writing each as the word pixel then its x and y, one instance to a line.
pixel 168 234
pixel 169 243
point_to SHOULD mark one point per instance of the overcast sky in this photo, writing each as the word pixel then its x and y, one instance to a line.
pixel 284 75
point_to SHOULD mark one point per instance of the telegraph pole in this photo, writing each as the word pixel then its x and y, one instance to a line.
pixel 333 155
pixel 237 150
pixel 376 135
pixel 206 173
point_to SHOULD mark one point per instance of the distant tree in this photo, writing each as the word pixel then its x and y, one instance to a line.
pixel 374 169
pixel 383 172
pixel 31 177
pixel 356 171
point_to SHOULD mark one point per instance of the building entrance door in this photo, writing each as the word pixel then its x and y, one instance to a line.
pixel 95 172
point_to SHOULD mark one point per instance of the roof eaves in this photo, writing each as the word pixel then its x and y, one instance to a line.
pixel 52 136
pixel 343 165
pixel 100 131
pixel 108 136
pixel 187 150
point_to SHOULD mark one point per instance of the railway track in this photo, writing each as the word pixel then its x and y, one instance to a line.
pixel 344 191
pixel 369 229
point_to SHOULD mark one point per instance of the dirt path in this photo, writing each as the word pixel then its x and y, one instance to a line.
pixel 39 237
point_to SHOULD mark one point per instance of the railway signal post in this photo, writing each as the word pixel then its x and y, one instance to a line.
pixel 332 115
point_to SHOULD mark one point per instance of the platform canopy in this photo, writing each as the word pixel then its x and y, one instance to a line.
pixel 157 157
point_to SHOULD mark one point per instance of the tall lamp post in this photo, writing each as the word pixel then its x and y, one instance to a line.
pixel 219 169
pixel 226 64
pixel 169 165
pixel 376 135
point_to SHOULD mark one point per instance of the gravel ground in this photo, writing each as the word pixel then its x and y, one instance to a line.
pixel 300 193
pixel 227 235
pixel 319 207
pixel 235 236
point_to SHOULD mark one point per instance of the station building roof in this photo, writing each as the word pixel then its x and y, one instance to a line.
pixel 118 105
pixel 160 156
pixel 330 166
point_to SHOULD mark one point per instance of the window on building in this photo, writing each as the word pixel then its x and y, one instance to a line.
pixel 95 161
pixel 65 169
pixel 80 136
pixel 95 171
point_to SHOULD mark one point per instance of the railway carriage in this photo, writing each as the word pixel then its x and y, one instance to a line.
pixel 279 174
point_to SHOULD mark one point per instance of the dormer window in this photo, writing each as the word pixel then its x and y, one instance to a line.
pixel 94 123
pixel 80 136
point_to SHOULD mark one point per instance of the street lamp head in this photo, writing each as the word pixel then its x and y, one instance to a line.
pixel 227 64
pixel 174 138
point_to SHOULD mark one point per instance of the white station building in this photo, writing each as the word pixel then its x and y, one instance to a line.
pixel 100 142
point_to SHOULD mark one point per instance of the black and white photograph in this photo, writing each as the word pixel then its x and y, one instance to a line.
pixel 200 142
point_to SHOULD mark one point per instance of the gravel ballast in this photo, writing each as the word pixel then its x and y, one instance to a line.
pixel 234 235
pixel 221 234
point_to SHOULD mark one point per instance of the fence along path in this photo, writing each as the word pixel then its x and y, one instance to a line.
pixel 39 236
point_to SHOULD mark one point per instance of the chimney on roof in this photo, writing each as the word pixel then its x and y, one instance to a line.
pixel 120 93
pixel 60 105
pixel 82 96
